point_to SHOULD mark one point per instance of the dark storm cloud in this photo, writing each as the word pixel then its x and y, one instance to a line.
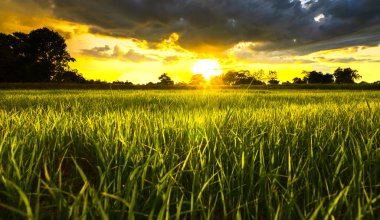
pixel 345 60
pixel 225 22
pixel 368 37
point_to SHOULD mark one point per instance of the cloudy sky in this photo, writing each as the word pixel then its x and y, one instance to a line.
pixel 137 40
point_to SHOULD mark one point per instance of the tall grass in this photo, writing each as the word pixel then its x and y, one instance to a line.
pixel 189 154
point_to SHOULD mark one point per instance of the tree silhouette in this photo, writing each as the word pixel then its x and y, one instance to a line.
pixel 298 80
pixel 165 80
pixel 259 75
pixel 69 76
pixel 12 57
pixel 197 80
pixel 240 78
pixel 230 78
pixel 346 75
pixel 49 53
pixel 317 77
pixel 272 75
pixel 39 56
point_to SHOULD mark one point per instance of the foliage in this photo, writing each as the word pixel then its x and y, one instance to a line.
pixel 242 77
pixel 197 80
pixel 122 83
pixel 230 78
pixel 273 79
pixel 317 77
pixel 259 75
pixel 165 80
pixel 189 154
pixel 274 82
pixel 69 76
pixel 298 80
pixel 346 75
pixel 217 80
pixel 40 56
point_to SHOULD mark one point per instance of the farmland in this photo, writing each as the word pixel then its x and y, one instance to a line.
pixel 195 154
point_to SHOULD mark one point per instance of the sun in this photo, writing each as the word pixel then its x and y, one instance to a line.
pixel 207 67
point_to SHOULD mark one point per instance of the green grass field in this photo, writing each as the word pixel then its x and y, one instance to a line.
pixel 212 154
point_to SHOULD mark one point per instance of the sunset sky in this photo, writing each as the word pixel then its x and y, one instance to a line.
pixel 138 40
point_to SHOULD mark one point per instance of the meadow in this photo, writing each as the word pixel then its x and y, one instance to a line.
pixel 195 154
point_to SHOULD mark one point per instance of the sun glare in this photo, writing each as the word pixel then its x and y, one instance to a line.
pixel 207 68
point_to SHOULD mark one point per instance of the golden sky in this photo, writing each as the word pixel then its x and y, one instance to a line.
pixel 138 41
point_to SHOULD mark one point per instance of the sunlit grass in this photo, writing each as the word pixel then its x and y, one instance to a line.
pixel 189 154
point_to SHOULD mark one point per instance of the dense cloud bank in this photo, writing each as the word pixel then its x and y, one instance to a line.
pixel 306 26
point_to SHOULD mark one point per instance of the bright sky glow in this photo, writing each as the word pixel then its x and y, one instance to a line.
pixel 207 68
pixel 319 18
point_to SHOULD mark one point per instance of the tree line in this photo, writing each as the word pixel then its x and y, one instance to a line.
pixel 42 56
pixel 340 75
pixel 245 77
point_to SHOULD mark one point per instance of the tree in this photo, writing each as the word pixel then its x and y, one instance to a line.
pixel 69 76
pixel 346 75
pixel 314 77
pixel 274 82
pixel 317 77
pixel 259 75
pixel 298 80
pixel 49 53
pixel 254 81
pixel 230 78
pixel 328 78
pixel 197 80
pixel 165 80
pixel 39 56
pixel 217 80
pixel 272 75
pixel 242 77
pixel 6 58
pixel 118 82
pixel 13 61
